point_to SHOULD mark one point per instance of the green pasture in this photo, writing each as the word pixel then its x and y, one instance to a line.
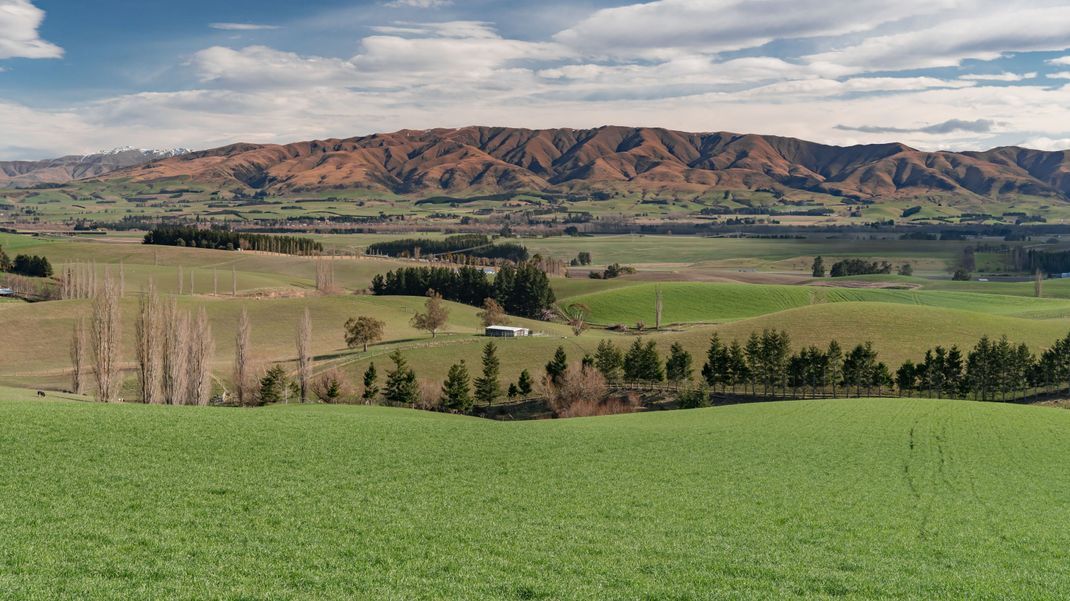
pixel 850 499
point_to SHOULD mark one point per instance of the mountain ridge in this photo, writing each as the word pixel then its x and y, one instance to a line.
pixel 479 159
pixel 73 167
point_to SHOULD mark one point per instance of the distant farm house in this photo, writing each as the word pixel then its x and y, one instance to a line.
pixel 506 331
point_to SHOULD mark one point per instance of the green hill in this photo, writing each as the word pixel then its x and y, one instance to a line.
pixel 854 499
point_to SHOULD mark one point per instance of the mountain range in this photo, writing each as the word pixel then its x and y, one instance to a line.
pixel 73 167
pixel 480 160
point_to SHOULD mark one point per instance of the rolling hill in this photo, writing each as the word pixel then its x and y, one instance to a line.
pixel 490 160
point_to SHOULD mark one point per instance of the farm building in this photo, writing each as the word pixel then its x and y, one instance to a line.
pixel 506 331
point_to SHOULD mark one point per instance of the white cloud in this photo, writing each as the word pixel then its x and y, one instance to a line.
pixel 260 66
pixel 982 35
pixel 664 27
pixel 437 55
pixel 1059 75
pixel 646 64
pixel 1062 60
pixel 1045 143
pixel 19 21
pixel 241 26
pixel 999 76
pixel 418 3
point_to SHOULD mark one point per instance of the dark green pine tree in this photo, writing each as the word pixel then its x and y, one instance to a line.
pixel 557 366
pixel 487 387
pixel 678 365
pixel 609 360
pixel 525 384
pixel 457 389
pixel 400 382
pixel 371 384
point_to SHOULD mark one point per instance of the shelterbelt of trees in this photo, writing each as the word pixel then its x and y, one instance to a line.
pixel 469 245
pixel 522 290
pixel 229 240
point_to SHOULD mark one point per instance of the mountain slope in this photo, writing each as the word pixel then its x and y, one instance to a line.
pixel 491 160
pixel 65 169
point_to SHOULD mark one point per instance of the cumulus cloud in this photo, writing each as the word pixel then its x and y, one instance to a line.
pixel 1061 61
pixel 979 126
pixel 985 35
pixel 19 21
pixel 663 63
pixel 241 26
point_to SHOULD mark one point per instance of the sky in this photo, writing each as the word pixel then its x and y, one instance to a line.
pixel 77 77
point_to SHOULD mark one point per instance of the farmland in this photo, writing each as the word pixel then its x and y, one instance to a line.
pixel 913 499
pixel 902 317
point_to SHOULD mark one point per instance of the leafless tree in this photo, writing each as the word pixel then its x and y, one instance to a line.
pixel 577 385
pixel 80 356
pixel 325 277
pixel 304 354
pixel 106 335
pixel 244 384
pixel 215 282
pixel 181 280
pixel 233 281
pixel 149 340
pixel 176 345
pixel 202 349
pixel 122 279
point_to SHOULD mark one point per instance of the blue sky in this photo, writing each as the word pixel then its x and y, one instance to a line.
pixel 80 76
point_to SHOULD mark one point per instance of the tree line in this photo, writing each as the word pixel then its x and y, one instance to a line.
pixel 468 245
pixel 523 289
pixel 33 266
pixel 230 240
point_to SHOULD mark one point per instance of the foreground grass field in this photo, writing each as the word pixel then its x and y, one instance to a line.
pixel 857 499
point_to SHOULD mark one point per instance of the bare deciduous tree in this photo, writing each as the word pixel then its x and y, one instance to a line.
pixel 149 350
pixel 244 382
pixel 106 331
pixel 202 349
pixel 79 356
pixel 304 354
pixel 578 384
pixel 176 355
pixel 325 277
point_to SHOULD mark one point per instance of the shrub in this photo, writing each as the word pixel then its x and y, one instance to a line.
pixel 575 385
pixel 694 397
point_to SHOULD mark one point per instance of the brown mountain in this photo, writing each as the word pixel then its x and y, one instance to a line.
pixel 495 159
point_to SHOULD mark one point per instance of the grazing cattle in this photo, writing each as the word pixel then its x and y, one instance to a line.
pixel 40 393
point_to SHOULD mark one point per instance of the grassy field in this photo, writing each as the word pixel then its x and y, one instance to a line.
pixel 854 499
pixel 695 302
